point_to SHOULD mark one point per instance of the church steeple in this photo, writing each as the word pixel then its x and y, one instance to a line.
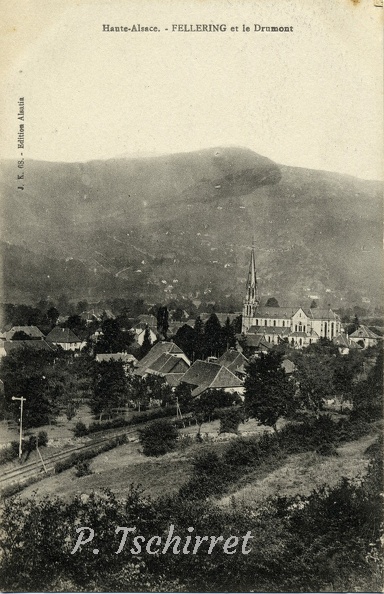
pixel 252 294
pixel 251 300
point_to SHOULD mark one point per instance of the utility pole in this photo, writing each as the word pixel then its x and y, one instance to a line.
pixel 178 411
pixel 22 399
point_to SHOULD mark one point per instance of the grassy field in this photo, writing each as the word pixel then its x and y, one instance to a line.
pixel 301 474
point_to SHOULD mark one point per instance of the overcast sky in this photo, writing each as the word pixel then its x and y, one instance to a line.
pixel 309 98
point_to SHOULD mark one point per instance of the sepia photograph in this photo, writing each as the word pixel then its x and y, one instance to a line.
pixel 191 307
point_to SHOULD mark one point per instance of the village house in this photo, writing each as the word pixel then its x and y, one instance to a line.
pixel 65 338
pixel 149 362
pixel 234 361
pixel 364 337
pixel 204 375
pixel 8 346
pixel 345 344
pixel 31 331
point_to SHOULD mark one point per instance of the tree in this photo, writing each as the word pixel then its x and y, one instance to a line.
pixel 147 344
pixel 162 320
pixel 113 339
pixel 178 314
pixel 230 421
pixel 52 315
pixel 213 336
pixel 158 438
pixel 269 394
pixel 33 375
pixel 76 324
pixel 228 333
pixel 21 335
pixel 313 304
pixel 185 338
pixel 272 302
pixel 314 378
pixel 183 394
pixel 110 388
pixel 199 344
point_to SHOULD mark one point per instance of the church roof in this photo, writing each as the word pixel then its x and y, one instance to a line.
pixel 275 312
pixel 315 313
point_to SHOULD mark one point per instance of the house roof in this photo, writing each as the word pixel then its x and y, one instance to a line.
pixel 36 345
pixel 173 379
pixel 204 375
pixel 156 351
pixel 124 357
pixel 32 331
pixel 342 340
pixel 257 341
pixel 364 332
pixel 62 335
pixel 147 319
pixel 288 366
pixel 167 363
pixel 233 360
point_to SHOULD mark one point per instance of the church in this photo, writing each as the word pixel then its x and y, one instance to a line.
pixel 300 326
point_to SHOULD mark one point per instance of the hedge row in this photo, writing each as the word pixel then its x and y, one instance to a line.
pixel 157 413
pixel 88 454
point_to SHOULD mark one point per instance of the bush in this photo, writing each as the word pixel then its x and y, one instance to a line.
pixel 82 468
pixel 42 438
pixel 230 421
pixel 327 449
pixel 10 453
pixel 80 429
pixel 158 438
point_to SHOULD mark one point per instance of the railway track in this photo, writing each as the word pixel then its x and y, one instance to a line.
pixel 35 468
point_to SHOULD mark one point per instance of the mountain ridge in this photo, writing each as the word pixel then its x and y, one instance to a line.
pixel 194 214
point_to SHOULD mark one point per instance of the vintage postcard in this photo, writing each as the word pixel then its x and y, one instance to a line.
pixel 191 319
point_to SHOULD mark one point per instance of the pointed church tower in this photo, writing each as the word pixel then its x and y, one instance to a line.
pixel 251 300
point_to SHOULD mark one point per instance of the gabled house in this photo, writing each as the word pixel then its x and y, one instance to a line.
pixel 128 360
pixel 345 344
pixel 139 334
pixel 364 337
pixel 159 349
pixel 31 331
pixel 65 338
pixel 234 361
pixel 8 346
pixel 170 366
pixel 203 375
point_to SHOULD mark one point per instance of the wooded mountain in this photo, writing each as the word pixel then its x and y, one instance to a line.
pixel 183 224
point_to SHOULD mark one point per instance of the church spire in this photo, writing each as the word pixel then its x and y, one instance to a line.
pixel 252 294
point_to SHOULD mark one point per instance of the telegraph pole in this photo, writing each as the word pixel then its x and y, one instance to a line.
pixel 22 399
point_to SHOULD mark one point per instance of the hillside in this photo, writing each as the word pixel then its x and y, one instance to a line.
pixel 182 225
